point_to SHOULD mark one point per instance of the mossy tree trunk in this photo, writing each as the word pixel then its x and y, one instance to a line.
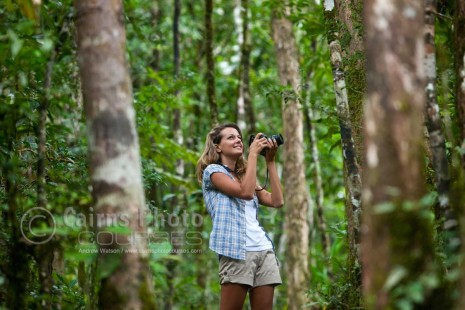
pixel 351 31
pixel 459 27
pixel 296 193
pixel 397 243
pixel 459 51
pixel 114 156
pixel 349 134
pixel 446 218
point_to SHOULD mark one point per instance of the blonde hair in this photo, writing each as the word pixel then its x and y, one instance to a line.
pixel 210 156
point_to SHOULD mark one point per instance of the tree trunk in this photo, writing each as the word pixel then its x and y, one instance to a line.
pixel 459 27
pixel 319 191
pixel 296 193
pixel 210 73
pixel 156 13
pixel 459 51
pixel 352 177
pixel 350 26
pixel 114 155
pixel 175 201
pixel 17 270
pixel 397 245
pixel 446 219
pixel 43 253
pixel 245 112
pixel 176 60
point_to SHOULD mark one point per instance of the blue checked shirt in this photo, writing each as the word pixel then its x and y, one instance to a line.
pixel 228 234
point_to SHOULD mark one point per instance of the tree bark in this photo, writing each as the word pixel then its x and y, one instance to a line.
pixel 156 13
pixel 114 155
pixel 446 219
pixel 350 26
pixel 177 130
pixel 459 52
pixel 44 252
pixel 210 73
pixel 17 271
pixel 177 61
pixel 319 191
pixel 296 193
pixel 459 27
pixel 245 112
pixel 352 175
pixel 397 245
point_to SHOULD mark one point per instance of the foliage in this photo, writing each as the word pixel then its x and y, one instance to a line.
pixel 32 33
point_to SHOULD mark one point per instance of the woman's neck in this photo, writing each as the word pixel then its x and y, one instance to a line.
pixel 229 162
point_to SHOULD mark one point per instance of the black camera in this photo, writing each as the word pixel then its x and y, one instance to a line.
pixel 279 140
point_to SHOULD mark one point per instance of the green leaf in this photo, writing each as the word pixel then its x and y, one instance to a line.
pixel 16 43
pixel 82 253
pixel 160 250
pixel 384 207
pixel 118 229
pixel 109 262
pixel 47 44
pixel 429 199
pixel 396 275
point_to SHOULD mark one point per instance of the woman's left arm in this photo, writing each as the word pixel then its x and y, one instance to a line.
pixel 275 198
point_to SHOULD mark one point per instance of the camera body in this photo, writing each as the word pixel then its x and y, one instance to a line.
pixel 278 137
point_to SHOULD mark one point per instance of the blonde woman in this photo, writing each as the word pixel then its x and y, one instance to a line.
pixel 247 261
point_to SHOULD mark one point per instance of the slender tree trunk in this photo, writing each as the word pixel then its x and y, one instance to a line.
pixel 245 112
pixel 296 193
pixel 444 214
pixel 350 26
pixel 459 27
pixel 239 24
pixel 17 270
pixel 177 61
pixel 42 134
pixel 175 202
pixel 157 17
pixel 319 192
pixel 210 73
pixel 352 177
pixel 397 245
pixel 44 252
pixel 114 155
pixel 459 50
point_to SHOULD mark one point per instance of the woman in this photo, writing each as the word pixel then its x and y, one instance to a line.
pixel 247 259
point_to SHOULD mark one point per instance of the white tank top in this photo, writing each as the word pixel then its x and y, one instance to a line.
pixel 256 237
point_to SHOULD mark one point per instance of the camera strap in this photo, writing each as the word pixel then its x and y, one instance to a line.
pixel 266 182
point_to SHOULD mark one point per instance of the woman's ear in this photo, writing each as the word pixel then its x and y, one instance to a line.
pixel 217 148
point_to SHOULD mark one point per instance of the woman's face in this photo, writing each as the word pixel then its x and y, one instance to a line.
pixel 230 143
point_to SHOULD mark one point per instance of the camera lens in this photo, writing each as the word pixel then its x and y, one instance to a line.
pixel 279 139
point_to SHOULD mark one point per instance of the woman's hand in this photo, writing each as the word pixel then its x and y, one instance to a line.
pixel 258 144
pixel 271 151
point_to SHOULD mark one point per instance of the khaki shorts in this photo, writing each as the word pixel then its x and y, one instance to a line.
pixel 260 268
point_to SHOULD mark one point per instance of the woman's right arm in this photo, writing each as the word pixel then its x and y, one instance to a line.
pixel 246 188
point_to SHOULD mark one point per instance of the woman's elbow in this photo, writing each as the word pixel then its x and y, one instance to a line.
pixel 278 204
pixel 247 196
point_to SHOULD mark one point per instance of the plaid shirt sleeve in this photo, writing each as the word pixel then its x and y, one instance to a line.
pixel 228 234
